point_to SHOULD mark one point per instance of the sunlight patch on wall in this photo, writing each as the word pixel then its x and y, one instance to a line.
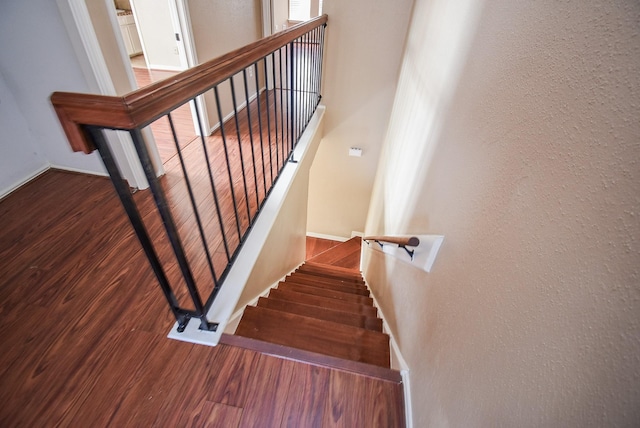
pixel 436 49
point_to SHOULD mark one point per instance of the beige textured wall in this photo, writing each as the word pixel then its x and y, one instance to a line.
pixel 220 27
pixel 527 144
pixel 286 243
pixel 99 12
pixel 364 44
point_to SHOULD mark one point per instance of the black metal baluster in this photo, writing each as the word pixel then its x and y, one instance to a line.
pixel 182 316
pixel 275 110
pixel 193 203
pixel 266 81
pixel 286 85
pixel 282 129
pixel 253 156
pixel 294 140
pixel 226 155
pixel 211 182
pixel 244 176
pixel 170 228
pixel 259 100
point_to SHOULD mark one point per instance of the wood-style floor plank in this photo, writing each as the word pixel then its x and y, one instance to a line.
pixel 346 255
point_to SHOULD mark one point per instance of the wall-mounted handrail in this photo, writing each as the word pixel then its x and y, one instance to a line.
pixel 401 241
pixel 141 107
pixel 411 241
pixel 219 183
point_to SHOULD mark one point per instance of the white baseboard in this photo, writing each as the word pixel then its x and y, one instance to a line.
pixel 79 170
pixel 329 237
pixel 165 67
pixel 15 186
pixel 398 359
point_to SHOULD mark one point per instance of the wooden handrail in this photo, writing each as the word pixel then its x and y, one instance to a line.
pixel 411 241
pixel 141 107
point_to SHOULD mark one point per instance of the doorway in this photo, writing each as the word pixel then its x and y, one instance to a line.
pixel 152 37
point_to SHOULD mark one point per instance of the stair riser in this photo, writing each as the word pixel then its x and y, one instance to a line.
pixel 317 291
pixel 328 280
pixel 350 290
pixel 355 280
pixel 360 321
pixel 321 272
pixel 324 302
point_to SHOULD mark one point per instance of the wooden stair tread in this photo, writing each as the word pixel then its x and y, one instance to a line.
pixel 315 335
pixel 325 302
pixel 327 314
pixel 360 291
pixel 326 292
pixel 313 358
pixel 313 277
pixel 319 267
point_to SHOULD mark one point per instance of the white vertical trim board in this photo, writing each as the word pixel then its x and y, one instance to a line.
pixel 403 367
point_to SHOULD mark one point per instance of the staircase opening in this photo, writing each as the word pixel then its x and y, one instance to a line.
pixel 323 307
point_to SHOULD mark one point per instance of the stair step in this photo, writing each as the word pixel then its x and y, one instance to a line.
pixel 326 292
pixel 310 334
pixel 326 280
pixel 323 302
pixel 319 267
pixel 361 321
pixel 311 277
pixel 333 275
pixel 360 291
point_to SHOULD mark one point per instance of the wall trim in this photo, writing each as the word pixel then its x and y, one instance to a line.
pixel 402 363
pixel 79 170
pixel 329 237
pixel 21 182
pixel 160 67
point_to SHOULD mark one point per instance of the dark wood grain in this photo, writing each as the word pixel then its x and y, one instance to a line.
pixel 84 329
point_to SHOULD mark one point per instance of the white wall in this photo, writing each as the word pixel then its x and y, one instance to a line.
pixel 153 19
pixel 515 134
pixel 20 156
pixel 364 42
pixel 36 59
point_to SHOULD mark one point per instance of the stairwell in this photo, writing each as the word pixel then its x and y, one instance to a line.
pixel 323 307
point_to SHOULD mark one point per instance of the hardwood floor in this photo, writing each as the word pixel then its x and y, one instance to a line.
pixel 84 325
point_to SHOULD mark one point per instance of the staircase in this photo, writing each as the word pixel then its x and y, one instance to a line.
pixel 322 307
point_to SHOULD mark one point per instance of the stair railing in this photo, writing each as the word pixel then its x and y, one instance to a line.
pixel 401 241
pixel 192 226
